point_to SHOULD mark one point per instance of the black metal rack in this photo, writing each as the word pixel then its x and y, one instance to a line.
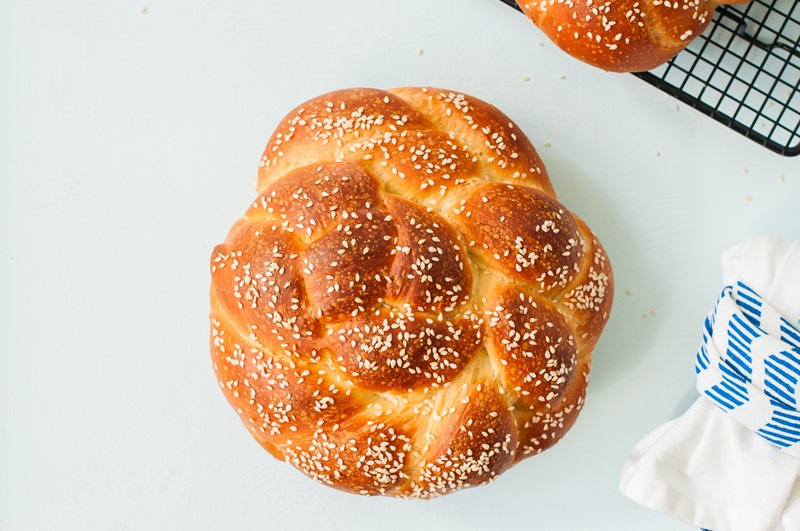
pixel 743 71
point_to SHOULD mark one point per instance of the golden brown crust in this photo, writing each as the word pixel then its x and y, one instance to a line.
pixel 522 233
pixel 405 309
pixel 622 35
pixel 430 262
pixel 534 344
pixel 478 442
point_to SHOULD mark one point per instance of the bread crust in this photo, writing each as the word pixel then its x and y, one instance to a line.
pixel 405 309
pixel 622 35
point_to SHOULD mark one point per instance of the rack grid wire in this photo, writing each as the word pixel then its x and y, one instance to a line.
pixel 743 71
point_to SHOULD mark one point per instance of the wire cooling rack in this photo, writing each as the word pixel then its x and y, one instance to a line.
pixel 743 71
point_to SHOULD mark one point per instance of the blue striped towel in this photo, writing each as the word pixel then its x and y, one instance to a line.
pixel 749 366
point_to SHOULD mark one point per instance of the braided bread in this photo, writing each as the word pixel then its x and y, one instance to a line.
pixel 622 35
pixel 405 309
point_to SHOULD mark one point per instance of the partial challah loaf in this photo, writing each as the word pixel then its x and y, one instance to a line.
pixel 405 309
pixel 622 35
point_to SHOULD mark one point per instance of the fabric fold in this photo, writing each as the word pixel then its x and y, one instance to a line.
pixel 732 461
pixel 749 366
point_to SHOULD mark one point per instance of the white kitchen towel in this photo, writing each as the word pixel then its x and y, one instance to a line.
pixel 707 467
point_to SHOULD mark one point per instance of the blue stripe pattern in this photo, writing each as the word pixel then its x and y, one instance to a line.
pixel 745 315
pixel 789 334
pixel 782 373
pixel 749 302
pixel 783 430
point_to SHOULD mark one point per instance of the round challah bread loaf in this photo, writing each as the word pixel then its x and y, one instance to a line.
pixel 405 309
pixel 622 35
